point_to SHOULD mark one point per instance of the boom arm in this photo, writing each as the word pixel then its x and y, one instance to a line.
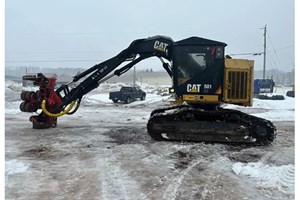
pixel 55 103
pixel 137 51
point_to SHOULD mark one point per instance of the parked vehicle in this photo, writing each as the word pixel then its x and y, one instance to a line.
pixel 291 93
pixel 263 86
pixel 127 95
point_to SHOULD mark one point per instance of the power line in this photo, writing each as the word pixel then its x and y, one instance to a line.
pixel 16 61
pixel 259 53
pixel 284 47
pixel 70 33
pixel 55 52
pixel 55 61
pixel 274 50
pixel 245 54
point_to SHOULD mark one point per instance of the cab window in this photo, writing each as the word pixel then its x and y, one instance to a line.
pixel 192 60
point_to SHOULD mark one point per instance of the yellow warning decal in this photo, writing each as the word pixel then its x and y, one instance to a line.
pixel 219 90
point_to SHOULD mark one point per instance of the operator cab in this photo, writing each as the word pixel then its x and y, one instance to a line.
pixel 198 65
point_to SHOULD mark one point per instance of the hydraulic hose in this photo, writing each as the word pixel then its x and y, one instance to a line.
pixel 76 107
pixel 66 111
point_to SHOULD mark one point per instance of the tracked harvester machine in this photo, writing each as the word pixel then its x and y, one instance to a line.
pixel 202 79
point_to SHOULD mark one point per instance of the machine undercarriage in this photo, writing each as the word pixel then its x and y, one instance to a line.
pixel 220 125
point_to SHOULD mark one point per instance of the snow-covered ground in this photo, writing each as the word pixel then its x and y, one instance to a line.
pixel 103 152
pixel 274 110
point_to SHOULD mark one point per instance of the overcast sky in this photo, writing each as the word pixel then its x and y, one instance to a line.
pixel 69 33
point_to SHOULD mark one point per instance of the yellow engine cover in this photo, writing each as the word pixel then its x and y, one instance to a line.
pixel 238 82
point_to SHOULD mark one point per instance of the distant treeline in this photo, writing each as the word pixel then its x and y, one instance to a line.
pixel 280 77
pixel 15 73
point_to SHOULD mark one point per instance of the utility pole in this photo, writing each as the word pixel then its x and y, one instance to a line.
pixel 134 76
pixel 265 48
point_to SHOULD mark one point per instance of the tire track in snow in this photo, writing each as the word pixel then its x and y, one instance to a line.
pixel 171 191
pixel 268 177
pixel 112 183
pixel 116 183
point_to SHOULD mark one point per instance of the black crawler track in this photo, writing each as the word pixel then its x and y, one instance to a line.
pixel 222 125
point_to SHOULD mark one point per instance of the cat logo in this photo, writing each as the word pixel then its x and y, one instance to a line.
pixel 160 46
pixel 193 88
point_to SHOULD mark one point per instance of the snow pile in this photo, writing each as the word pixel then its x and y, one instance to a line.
pixel 110 87
pixel 14 167
pixel 155 93
pixel 277 115
pixel 268 177
pixel 12 111
pixel 96 99
pixel 274 110
pixel 277 110
pixel 159 90
pixel 11 85
pixel 14 86
pixel 281 90
pixel 287 103
pixel 149 89
pixel 104 99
